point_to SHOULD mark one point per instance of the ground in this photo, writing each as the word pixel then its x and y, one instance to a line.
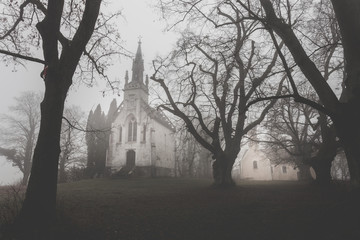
pixel 188 209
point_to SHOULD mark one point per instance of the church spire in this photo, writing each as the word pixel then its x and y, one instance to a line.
pixel 136 88
pixel 138 66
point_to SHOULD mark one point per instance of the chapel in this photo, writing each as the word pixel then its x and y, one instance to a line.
pixel 142 141
pixel 254 164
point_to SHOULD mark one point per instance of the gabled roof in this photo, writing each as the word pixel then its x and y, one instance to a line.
pixel 158 115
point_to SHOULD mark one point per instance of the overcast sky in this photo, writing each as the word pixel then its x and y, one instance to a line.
pixel 140 19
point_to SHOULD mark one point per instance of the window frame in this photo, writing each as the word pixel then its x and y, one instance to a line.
pixel 255 165
pixel 132 130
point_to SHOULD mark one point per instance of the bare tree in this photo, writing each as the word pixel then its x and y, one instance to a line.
pixel 214 76
pixel 292 134
pixel 343 111
pixel 19 132
pixel 187 153
pixel 324 35
pixel 73 152
pixel 63 30
pixel 303 136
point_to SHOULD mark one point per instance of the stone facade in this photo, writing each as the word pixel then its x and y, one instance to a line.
pixel 142 138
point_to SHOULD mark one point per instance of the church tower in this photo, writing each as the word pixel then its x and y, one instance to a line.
pixel 136 90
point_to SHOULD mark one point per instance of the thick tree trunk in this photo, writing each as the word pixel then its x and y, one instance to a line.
pixel 348 131
pixel 222 168
pixel 322 167
pixel 327 152
pixel 304 173
pixel 39 208
pixel 346 116
pixel 347 124
pixel 38 212
pixel 352 153
pixel 348 17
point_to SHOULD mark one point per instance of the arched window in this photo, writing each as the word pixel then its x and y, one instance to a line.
pixel 132 130
pixel 255 165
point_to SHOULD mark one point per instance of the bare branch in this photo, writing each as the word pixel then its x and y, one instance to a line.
pixel 28 58
pixel 80 128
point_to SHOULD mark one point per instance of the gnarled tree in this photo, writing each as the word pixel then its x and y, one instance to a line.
pixel 303 136
pixel 343 111
pixel 19 132
pixel 213 77
pixel 63 30
pixel 73 152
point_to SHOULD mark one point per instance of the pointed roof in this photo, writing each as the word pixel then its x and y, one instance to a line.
pixel 137 78
pixel 158 116
pixel 138 66
pixel 138 54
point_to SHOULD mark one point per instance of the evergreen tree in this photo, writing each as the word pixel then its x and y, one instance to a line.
pixel 96 139
pixel 101 140
pixel 90 142
pixel 110 117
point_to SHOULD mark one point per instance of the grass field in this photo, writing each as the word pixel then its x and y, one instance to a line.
pixel 189 209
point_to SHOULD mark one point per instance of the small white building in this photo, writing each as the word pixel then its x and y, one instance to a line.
pixel 254 165
pixel 142 138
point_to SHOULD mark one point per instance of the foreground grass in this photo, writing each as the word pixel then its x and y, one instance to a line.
pixel 190 209
pixel 187 209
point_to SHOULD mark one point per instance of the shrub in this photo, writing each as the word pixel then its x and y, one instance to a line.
pixel 11 200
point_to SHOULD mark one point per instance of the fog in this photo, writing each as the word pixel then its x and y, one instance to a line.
pixel 138 21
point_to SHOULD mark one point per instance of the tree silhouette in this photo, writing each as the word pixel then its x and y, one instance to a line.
pixel 71 142
pixel 213 78
pixel 97 138
pixel 63 30
pixel 19 132
pixel 344 110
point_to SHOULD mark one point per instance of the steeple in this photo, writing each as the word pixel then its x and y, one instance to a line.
pixel 136 88
pixel 138 66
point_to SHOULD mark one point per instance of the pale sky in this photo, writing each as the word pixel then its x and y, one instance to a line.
pixel 139 20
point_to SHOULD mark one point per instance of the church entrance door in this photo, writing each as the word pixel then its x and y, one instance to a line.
pixel 130 159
